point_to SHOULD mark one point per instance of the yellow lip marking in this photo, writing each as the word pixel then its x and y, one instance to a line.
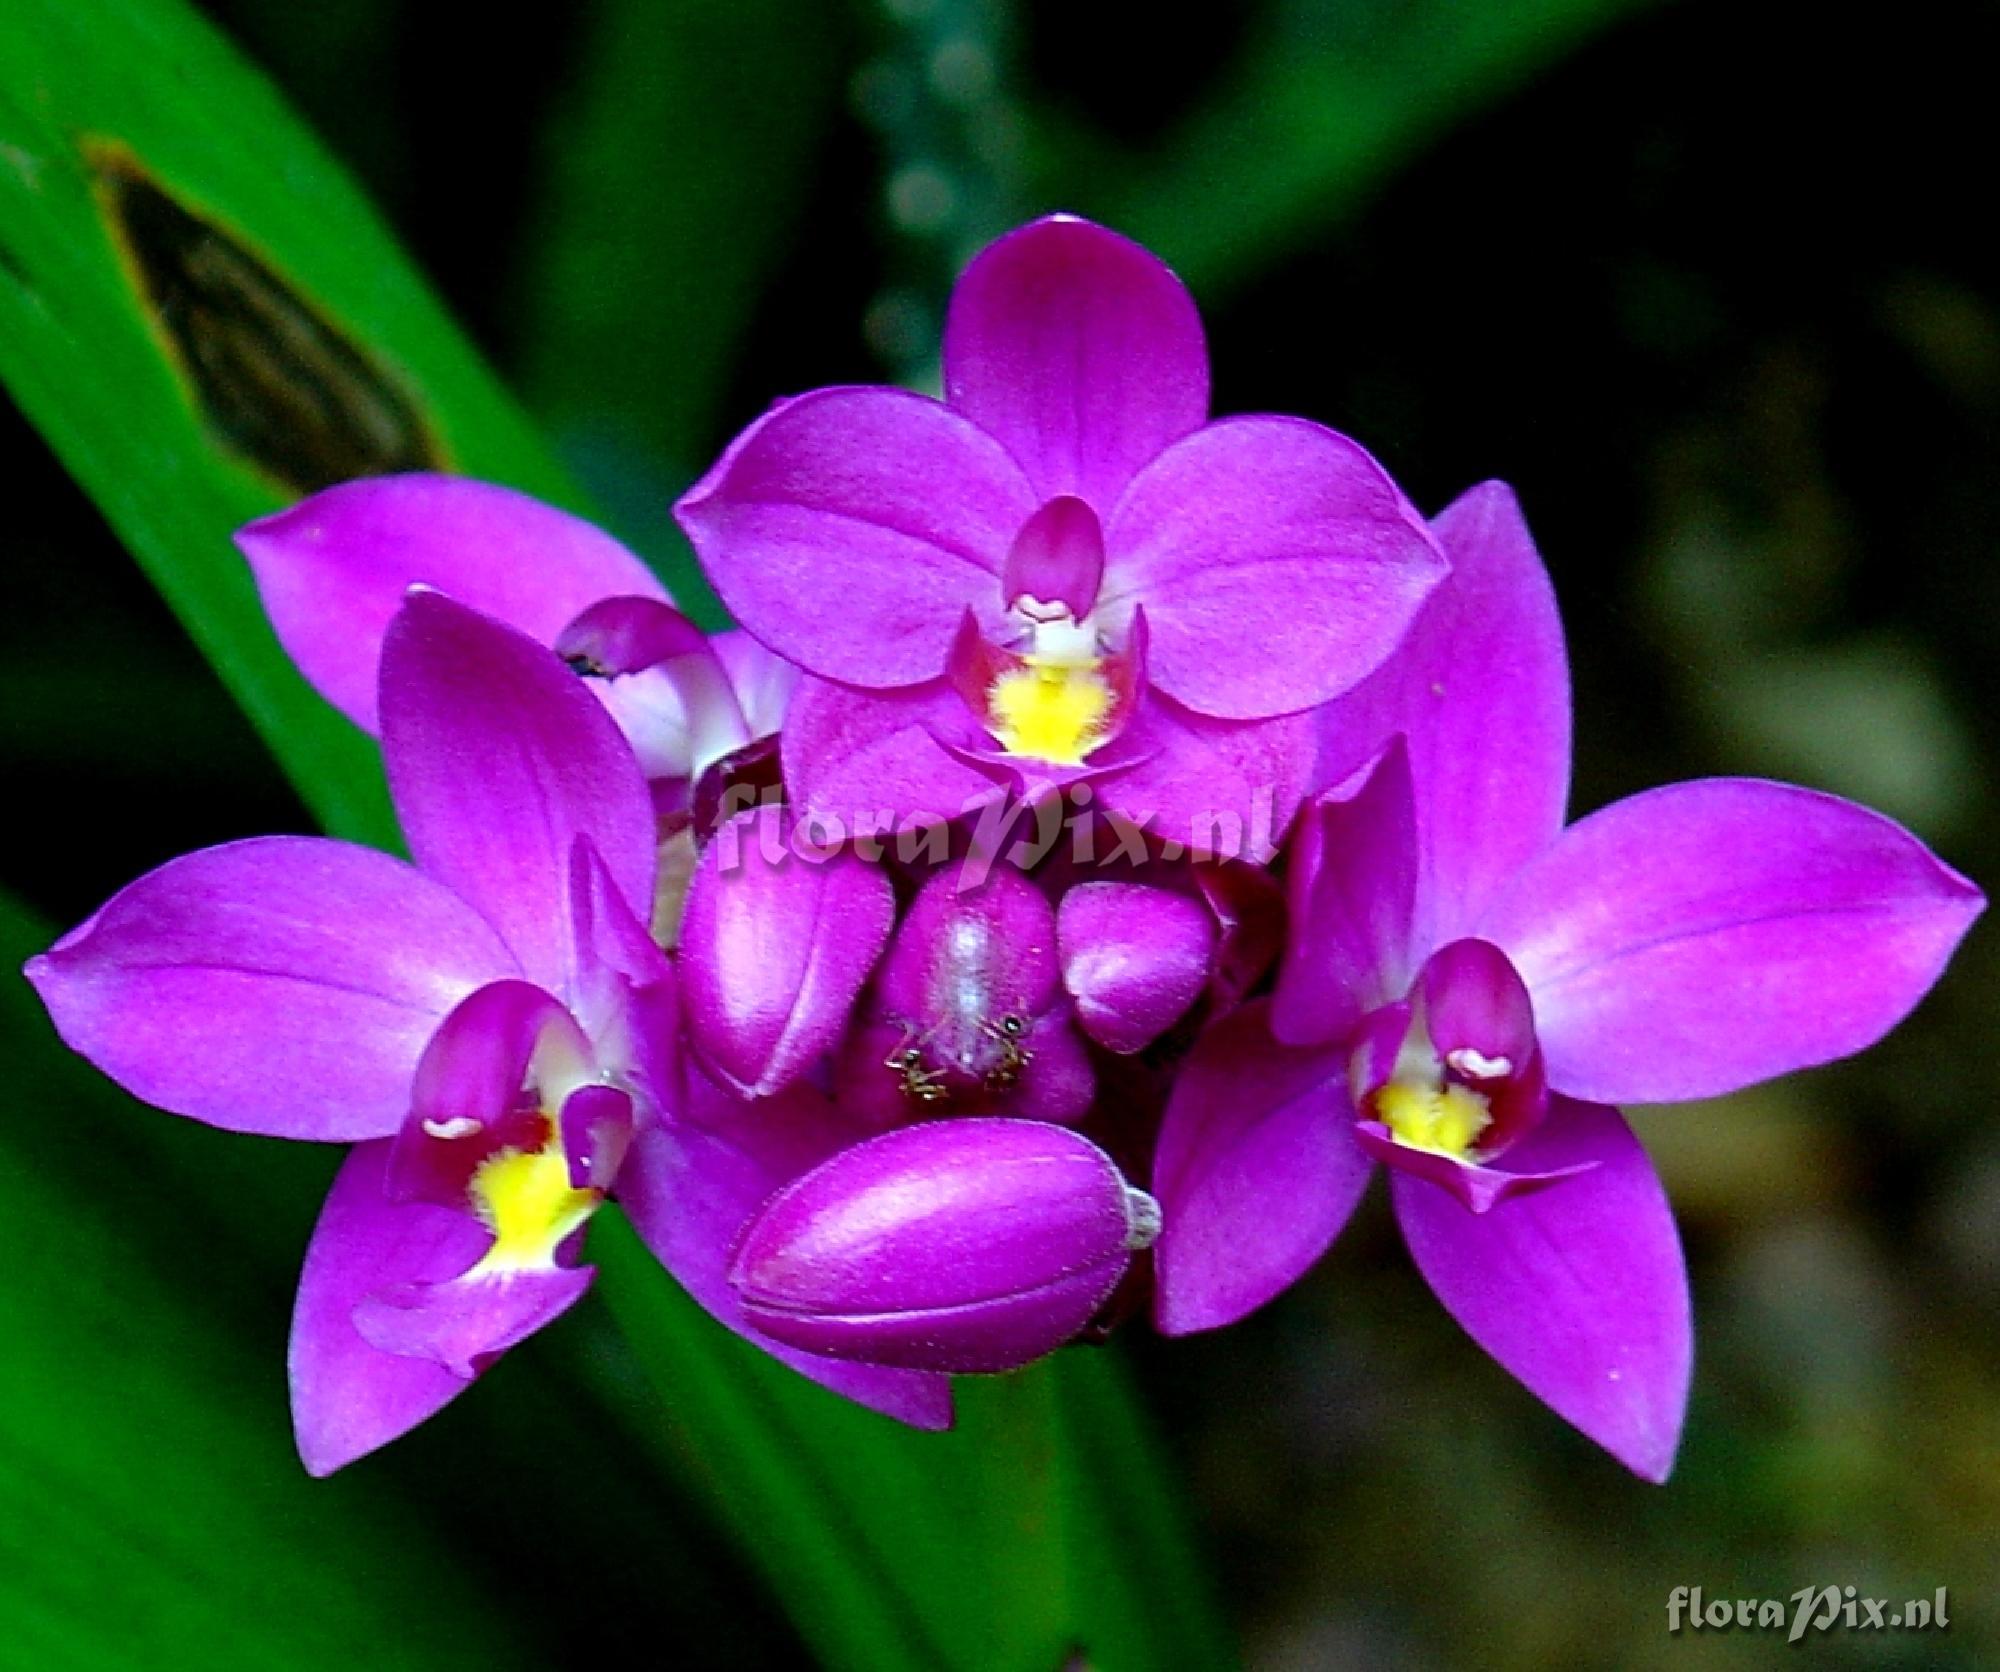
pixel 526 1200
pixel 1050 710
pixel 1445 1119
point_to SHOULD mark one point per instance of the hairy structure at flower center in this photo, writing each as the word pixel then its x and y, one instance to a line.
pixel 1444 1118
pixel 525 1198
pixel 1052 711
pixel 1056 704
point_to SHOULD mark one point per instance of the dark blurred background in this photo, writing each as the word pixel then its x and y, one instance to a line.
pixel 1710 284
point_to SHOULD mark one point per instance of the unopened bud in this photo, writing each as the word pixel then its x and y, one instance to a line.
pixel 958 1245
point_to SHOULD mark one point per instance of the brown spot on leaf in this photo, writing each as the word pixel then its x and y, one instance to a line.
pixel 274 379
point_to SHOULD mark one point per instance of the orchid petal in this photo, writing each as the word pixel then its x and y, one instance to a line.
pixel 334 568
pixel 690 1189
pixel 1352 887
pixel 775 945
pixel 1134 958
pixel 1480 689
pixel 1277 563
pixel 763 683
pixel 1080 351
pixel 467 1323
pixel 284 986
pixel 1577 1288
pixel 1696 939
pixel 1256 1173
pixel 349 1397
pixel 1478 1186
pixel 466 1101
pixel 499 759
pixel 875 757
pixel 850 528
pixel 1220 789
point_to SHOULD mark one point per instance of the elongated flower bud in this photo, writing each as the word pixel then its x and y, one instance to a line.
pixel 774 948
pixel 958 1245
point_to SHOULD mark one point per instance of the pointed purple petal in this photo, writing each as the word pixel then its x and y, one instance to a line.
pixel 774 948
pixel 1577 1288
pixel 1223 789
pixel 499 760
pixel 1257 1172
pixel 1276 561
pixel 1351 883
pixel 284 986
pixel 1480 688
pixel 1080 351
pixel 849 529
pixel 349 1397
pixel 1699 938
pixel 876 757
pixel 1134 958
pixel 690 1191
pixel 334 568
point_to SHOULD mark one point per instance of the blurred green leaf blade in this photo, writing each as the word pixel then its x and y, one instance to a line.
pixel 148 1504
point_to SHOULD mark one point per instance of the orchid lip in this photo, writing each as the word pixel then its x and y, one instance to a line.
pixel 1469 1095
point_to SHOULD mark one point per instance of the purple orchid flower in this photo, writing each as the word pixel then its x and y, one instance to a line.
pixel 1063 571
pixel 491 1028
pixel 334 568
pixel 1469 985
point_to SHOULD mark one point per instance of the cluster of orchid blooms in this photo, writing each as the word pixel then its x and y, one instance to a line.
pixel 1110 835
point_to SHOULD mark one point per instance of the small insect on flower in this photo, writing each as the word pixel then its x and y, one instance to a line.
pixel 917 1082
pixel 1007 1032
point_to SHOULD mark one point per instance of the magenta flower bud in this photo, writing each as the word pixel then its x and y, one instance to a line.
pixel 774 949
pixel 967 1014
pixel 959 1245
pixel 1134 957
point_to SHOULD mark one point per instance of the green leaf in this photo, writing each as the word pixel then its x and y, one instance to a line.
pixel 1323 105
pixel 203 317
pixel 1042 1527
pixel 148 1504
pixel 671 176
pixel 204 320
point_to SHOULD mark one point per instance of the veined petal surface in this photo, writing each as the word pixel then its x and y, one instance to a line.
pixel 849 530
pixel 1276 562
pixel 499 760
pixel 1080 351
pixel 285 985
pixel 1576 1287
pixel 333 570
pixel 1699 938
